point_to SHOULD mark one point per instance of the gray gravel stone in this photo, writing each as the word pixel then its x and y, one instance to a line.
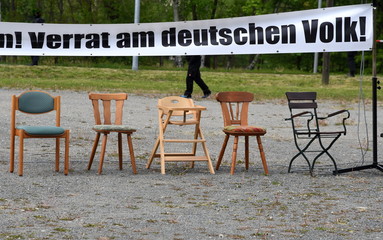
pixel 189 203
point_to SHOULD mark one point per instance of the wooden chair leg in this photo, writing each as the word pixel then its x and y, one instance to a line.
pixel 94 148
pixel 119 150
pixel 21 155
pixel 57 165
pixel 154 150
pixel 206 151
pixel 234 155
pixel 132 158
pixel 260 146
pixel 222 152
pixel 162 155
pixel 247 152
pixel 102 154
pixel 12 154
pixel 66 158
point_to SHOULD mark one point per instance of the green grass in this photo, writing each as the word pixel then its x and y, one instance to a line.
pixel 172 82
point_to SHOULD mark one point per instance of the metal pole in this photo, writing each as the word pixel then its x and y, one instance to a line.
pixel 316 55
pixel 375 88
pixel 136 20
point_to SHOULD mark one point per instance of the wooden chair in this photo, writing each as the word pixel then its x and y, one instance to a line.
pixel 104 125
pixel 235 107
pixel 35 103
pixel 179 111
pixel 307 129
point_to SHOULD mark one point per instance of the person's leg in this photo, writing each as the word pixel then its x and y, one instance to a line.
pixel 203 86
pixel 35 60
pixel 189 87
pixel 351 63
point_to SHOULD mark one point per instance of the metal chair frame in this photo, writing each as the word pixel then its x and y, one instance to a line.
pixel 303 106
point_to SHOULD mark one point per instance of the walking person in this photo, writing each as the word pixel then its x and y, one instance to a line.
pixel 351 63
pixel 194 75
pixel 36 19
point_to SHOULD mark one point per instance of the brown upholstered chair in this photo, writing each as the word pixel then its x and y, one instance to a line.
pixel 235 107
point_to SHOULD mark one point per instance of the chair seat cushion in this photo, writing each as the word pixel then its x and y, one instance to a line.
pixel 42 130
pixel 112 128
pixel 244 129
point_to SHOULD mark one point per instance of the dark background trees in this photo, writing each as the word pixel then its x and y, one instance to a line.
pixel 122 11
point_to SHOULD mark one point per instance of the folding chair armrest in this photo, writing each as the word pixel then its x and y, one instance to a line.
pixel 336 113
pixel 343 120
pixel 300 114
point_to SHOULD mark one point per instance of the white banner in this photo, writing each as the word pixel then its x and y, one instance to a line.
pixel 334 29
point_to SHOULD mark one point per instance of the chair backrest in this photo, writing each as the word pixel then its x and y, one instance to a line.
pixel 302 100
pixel 176 102
pixel 103 112
pixel 303 109
pixel 35 102
pixel 235 107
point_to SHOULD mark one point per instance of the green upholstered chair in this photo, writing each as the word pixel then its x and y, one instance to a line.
pixel 235 106
pixel 102 109
pixel 36 103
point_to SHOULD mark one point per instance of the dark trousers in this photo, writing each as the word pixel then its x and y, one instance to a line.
pixel 351 63
pixel 35 60
pixel 197 79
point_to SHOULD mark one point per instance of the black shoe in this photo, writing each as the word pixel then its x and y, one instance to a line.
pixel 206 95
pixel 185 96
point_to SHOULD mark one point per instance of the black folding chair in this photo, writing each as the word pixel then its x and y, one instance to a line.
pixel 307 127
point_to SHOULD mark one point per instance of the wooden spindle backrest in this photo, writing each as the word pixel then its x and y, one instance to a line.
pixel 107 99
pixel 235 107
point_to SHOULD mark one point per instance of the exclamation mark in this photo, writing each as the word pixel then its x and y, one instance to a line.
pixel 362 26
pixel 18 39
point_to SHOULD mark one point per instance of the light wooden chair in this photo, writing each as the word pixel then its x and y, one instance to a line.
pixel 235 106
pixel 35 103
pixel 105 126
pixel 179 111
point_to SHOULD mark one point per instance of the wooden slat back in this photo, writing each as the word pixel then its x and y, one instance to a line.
pixel 301 95
pixel 302 100
pixel 235 107
pixel 106 111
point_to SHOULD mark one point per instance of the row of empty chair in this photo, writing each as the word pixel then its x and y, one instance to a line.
pixel 172 111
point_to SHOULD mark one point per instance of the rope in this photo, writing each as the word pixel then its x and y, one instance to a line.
pixel 362 107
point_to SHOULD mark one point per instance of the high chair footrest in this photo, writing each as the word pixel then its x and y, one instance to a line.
pixel 185 140
pixel 185 158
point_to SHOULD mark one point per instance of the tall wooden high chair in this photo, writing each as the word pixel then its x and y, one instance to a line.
pixel 179 111
pixel 105 125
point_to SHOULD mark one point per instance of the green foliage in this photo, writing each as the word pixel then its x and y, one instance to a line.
pixel 172 82
pixel 122 11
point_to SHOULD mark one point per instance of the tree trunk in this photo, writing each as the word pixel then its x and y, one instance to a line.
pixel 326 57
pixel 253 62
pixel 176 15
pixel 213 12
pixel 326 68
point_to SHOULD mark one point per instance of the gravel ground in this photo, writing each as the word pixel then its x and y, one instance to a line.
pixel 188 203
